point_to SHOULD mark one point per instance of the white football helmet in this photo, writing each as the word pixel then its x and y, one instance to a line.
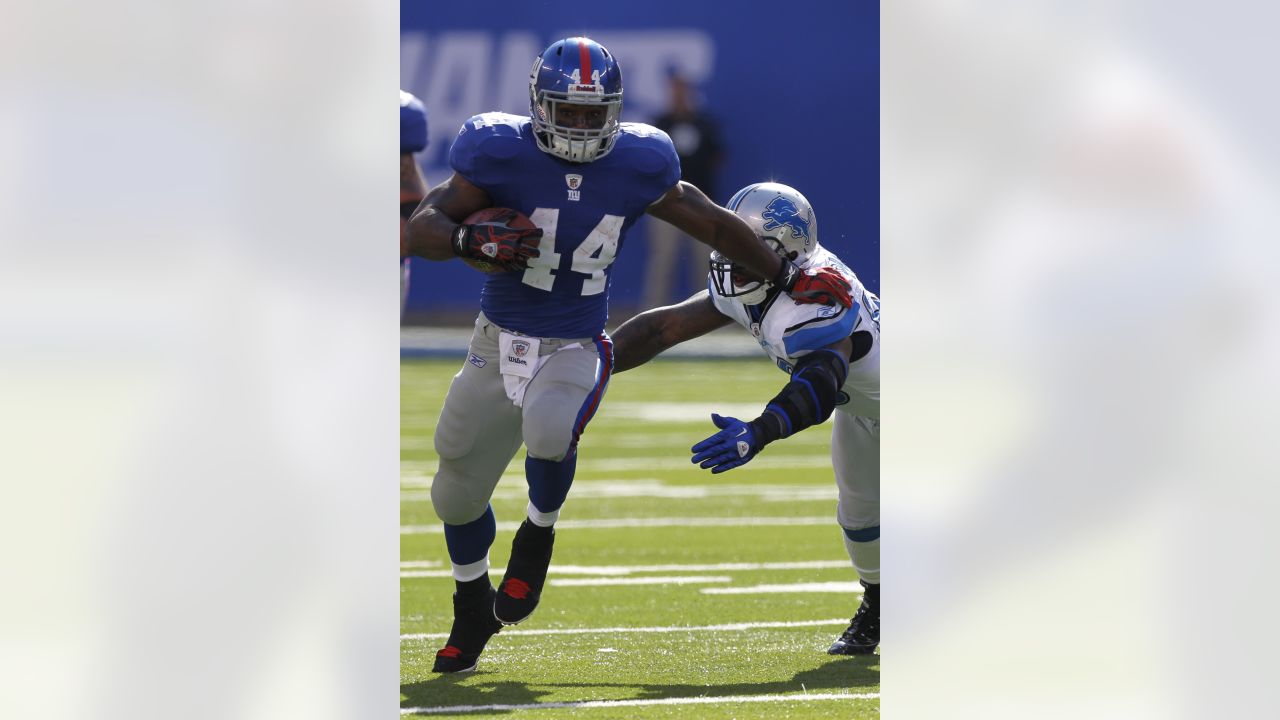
pixel 780 216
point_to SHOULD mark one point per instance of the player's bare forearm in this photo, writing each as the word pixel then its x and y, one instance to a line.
pixel 447 204
pixel 686 207
pixel 645 336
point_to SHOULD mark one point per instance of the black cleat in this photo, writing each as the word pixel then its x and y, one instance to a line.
pixel 863 635
pixel 473 625
pixel 526 573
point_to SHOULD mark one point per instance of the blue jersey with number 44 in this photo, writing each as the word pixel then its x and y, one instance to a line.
pixel 584 210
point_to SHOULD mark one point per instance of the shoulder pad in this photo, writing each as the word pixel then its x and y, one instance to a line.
pixel 649 151
pixel 485 138
pixel 413 124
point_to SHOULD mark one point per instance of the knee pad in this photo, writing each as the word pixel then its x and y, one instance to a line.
pixel 858 512
pixel 548 425
pixel 548 443
pixel 455 500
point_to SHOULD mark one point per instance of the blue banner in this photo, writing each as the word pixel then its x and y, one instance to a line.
pixel 793 86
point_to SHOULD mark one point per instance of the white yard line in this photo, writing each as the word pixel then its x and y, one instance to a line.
pixel 806 697
pixel 651 580
pixel 419 564
pixel 412 568
pixel 817 459
pixel 652 488
pixel 610 523
pixel 814 587
pixel 652 629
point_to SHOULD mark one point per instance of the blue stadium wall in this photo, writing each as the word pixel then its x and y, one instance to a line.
pixel 794 86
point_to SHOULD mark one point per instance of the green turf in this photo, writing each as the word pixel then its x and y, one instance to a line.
pixel 634 464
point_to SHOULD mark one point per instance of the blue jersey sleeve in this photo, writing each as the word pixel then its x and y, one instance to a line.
pixel 413 124
pixel 484 149
pixel 652 158
pixel 666 161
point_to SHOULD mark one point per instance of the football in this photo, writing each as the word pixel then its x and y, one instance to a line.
pixel 500 215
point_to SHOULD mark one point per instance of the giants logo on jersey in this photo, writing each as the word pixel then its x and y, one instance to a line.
pixel 574 182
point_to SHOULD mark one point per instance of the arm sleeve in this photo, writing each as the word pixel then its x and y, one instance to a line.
pixel 831 324
pixel 809 399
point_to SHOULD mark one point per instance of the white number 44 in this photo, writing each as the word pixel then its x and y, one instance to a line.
pixel 590 258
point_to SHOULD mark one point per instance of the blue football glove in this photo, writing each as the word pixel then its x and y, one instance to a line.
pixel 734 445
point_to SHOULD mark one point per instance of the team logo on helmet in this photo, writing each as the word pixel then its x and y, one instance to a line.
pixel 781 212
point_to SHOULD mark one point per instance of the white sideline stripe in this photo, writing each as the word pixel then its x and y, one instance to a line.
pixel 664 462
pixel 608 523
pixel 648 488
pixel 806 697
pixel 651 580
pixel 657 629
pixel 815 587
pixel 629 569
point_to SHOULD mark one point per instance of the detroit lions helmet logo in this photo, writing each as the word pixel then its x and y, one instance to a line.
pixel 781 212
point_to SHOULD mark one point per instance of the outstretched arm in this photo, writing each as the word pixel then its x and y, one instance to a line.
pixel 641 338
pixel 686 207
pixel 809 399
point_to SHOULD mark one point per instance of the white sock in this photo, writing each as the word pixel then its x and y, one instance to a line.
pixel 541 519
pixel 471 571
pixel 865 557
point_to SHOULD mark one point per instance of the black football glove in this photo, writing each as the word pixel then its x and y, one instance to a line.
pixel 823 285
pixel 508 247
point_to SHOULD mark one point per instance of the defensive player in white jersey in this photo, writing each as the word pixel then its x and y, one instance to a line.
pixel 832 355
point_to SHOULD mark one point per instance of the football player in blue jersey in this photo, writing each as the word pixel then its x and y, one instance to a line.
pixel 539 359
pixel 832 355
pixel 413 186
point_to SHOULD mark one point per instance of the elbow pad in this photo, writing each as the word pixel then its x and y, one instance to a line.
pixel 809 399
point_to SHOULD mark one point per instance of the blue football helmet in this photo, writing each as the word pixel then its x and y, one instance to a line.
pixel 577 71
pixel 413 124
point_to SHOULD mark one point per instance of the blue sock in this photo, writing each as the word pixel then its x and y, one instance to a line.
pixel 470 542
pixel 549 481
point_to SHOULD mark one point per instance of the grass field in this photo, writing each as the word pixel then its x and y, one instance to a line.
pixel 674 593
